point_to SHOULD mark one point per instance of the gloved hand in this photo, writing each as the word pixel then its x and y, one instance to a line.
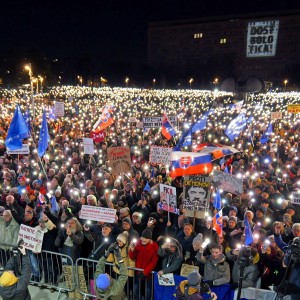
pixel 110 249
pixel 118 254
pixel 210 282
pixel 234 285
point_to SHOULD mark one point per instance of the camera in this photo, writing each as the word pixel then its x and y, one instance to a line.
pixel 245 258
pixel 204 288
pixel 295 248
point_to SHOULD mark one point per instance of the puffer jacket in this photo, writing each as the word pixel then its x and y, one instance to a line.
pixel 216 270
pixel 116 289
pixel 20 289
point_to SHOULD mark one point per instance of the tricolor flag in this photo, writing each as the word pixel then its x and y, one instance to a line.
pixel 104 120
pixel 216 150
pixel 190 163
pixel 167 129
pixel 217 222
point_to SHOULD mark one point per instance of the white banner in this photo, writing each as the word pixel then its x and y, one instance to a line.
pixel 156 122
pixel 96 213
pixel 262 38
pixel 295 198
pixel 160 155
pixel 132 119
pixel 168 198
pixel 23 150
pixel 88 146
pixel 32 237
pixel 276 115
pixel 59 109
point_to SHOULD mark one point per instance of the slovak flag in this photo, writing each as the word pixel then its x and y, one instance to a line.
pixel 167 129
pixel 217 223
pixel 190 163
pixel 104 120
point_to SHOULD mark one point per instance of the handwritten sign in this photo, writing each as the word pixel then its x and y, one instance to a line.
pixel 168 198
pixel 119 159
pixel 59 109
pixel 88 146
pixel 32 237
pixel 295 198
pixel 95 213
pixel 276 115
pixel 160 155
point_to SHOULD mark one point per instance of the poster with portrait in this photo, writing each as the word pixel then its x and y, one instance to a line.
pixel 168 198
pixel 196 191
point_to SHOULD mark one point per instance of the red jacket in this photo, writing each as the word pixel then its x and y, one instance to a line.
pixel 145 256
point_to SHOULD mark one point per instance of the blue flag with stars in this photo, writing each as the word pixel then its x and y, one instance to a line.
pixel 44 137
pixel 185 140
pixel 248 233
pixel 27 120
pixel 17 131
pixel 217 200
pixel 236 126
pixel 266 136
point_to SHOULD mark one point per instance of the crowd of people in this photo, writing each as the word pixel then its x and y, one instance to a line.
pixel 49 192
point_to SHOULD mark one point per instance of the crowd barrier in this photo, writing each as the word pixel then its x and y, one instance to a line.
pixel 58 271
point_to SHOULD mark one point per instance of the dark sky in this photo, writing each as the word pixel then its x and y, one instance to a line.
pixel 108 30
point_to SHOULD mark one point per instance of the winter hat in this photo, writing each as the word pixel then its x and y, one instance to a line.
pixel 125 210
pixel 147 234
pixel 30 206
pixel 198 239
pixel 8 279
pixel 123 237
pixel 194 279
pixel 137 214
pixel 233 219
pixel 225 218
pixel 262 209
pixel 233 208
pixel 103 281
pixel 127 220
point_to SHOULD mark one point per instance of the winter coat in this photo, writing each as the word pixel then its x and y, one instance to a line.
pixel 9 232
pixel 20 289
pixel 116 288
pixel 193 293
pixel 50 235
pixel 186 243
pixel 145 257
pixel 171 262
pixel 216 270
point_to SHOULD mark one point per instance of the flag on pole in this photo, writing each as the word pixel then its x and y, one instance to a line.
pixel 27 120
pixel 17 131
pixel 217 200
pixel 167 129
pixel 236 126
pixel 104 120
pixel 185 140
pixel 44 137
pixel 201 123
pixel 267 134
pixel 217 222
pixel 248 232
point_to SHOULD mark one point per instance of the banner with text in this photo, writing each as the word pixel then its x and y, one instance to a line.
pixel 23 150
pixel 119 160
pixel 156 122
pixel 97 136
pixel 293 108
pixel 276 115
pixel 59 109
pixel 295 198
pixel 168 198
pixel 160 155
pixel 96 213
pixel 228 182
pixel 32 237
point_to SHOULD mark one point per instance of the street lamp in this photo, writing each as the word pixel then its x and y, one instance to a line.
pixel 28 68
pixel 190 82
pixel 41 80
pixel 80 79
pixel 285 83
pixel 216 81
pixel 126 81
pixel 154 81
pixel 35 80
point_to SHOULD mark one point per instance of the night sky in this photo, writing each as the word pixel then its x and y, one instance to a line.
pixel 106 31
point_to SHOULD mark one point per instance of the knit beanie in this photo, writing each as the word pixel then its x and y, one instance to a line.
pixel 103 281
pixel 123 237
pixel 147 234
pixel 198 239
pixel 127 220
pixel 8 279
pixel 194 279
pixel 234 219
pixel 262 209
pixel 137 214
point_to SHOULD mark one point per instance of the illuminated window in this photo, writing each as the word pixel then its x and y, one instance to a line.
pixel 223 41
pixel 198 35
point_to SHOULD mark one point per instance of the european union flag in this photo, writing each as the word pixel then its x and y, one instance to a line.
pixel 248 233
pixel 44 137
pixel 27 119
pixel 236 126
pixel 201 123
pixel 266 136
pixel 185 140
pixel 147 187
pixel 17 131
pixel 217 200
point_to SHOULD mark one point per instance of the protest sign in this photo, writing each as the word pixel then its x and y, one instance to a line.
pixel 96 213
pixel 166 279
pixel 88 146
pixel 168 198
pixel 97 136
pixel 132 120
pixel 228 182
pixel 293 108
pixel 196 191
pixel 59 109
pixel 23 150
pixel 160 155
pixel 156 122
pixel 119 160
pixel 273 147
pixel 276 115
pixel 32 237
pixel 295 198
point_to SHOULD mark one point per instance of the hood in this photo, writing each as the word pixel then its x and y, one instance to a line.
pixel 9 291
pixel 191 290
pixel 178 247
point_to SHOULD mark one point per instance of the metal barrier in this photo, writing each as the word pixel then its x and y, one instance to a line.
pixel 136 288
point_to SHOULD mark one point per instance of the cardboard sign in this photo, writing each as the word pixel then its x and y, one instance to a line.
pixel 59 109
pixel 32 237
pixel 293 108
pixel 295 198
pixel 228 182
pixel 119 159
pixel 88 146
pixel 156 122
pixel 168 198
pixel 160 155
pixel 23 150
pixel 196 193
pixel 96 213
pixel 276 115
